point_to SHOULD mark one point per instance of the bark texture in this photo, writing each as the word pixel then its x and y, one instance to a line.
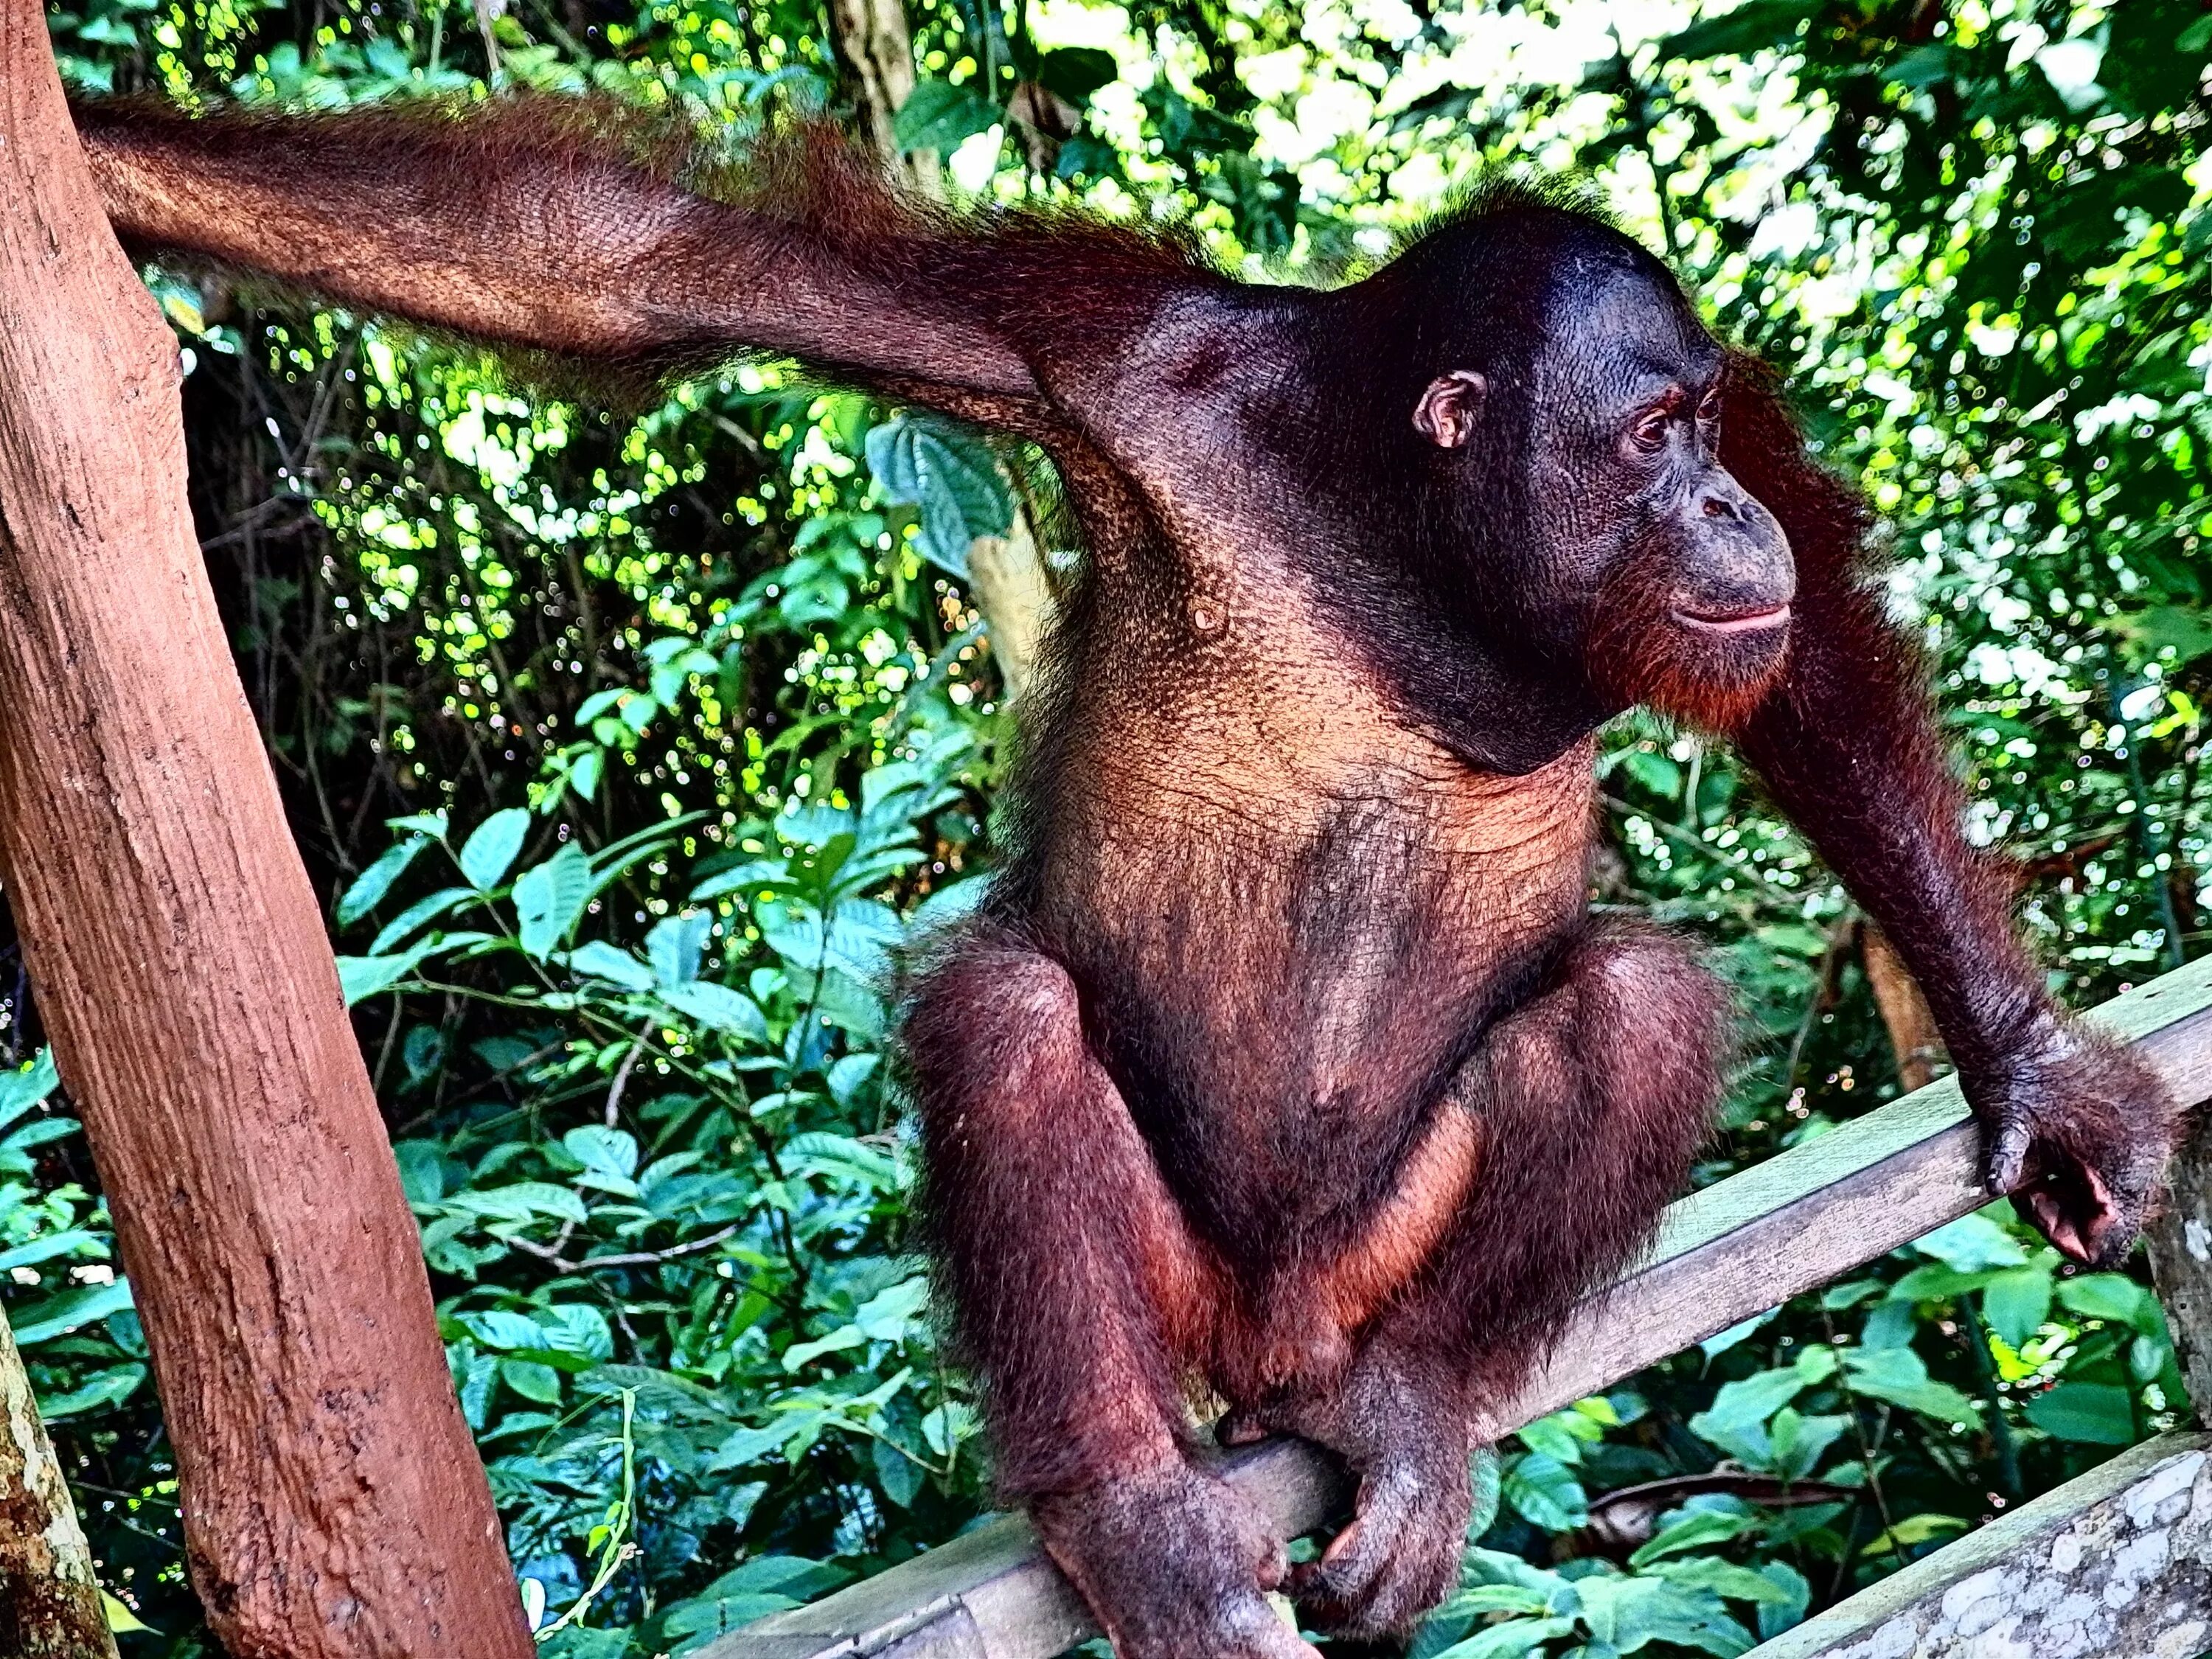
pixel 2180 1240
pixel 49 1606
pixel 877 44
pixel 1904 1011
pixel 333 1504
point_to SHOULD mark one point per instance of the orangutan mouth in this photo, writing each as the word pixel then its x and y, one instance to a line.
pixel 1744 622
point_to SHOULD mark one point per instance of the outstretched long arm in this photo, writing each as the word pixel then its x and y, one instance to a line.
pixel 581 230
pixel 1849 746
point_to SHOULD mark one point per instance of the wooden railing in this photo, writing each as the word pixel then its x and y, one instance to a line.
pixel 2116 1563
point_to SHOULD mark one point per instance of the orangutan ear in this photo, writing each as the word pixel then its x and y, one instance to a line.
pixel 1449 408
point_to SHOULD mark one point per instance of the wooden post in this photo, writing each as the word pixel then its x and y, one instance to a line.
pixel 333 1503
pixel 2180 1238
pixel 49 1606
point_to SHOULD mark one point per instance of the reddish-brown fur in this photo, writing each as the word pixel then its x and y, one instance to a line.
pixel 1286 1063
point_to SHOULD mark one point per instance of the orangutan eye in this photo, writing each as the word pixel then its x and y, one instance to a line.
pixel 1650 434
pixel 1709 408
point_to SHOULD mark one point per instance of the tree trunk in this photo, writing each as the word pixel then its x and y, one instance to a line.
pixel 333 1504
pixel 1904 1011
pixel 1007 577
pixel 874 39
pixel 49 1606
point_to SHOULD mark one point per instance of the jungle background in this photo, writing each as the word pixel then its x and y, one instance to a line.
pixel 628 738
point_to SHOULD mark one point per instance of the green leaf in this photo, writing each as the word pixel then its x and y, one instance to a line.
pixel 1971 1244
pixel 1800 1442
pixel 72 1309
pixel 599 960
pixel 1545 1493
pixel 369 887
pixel 603 1151
pixel 2088 1414
pixel 101 1388
pixel 674 946
pixel 1694 1531
pixel 46 1249
pixel 952 476
pixel 363 977
pixel 549 897
pixel 2111 1297
pixel 938 115
pixel 487 854
pixel 1900 1376
pixel 120 1619
pixel 1076 72
pixel 1763 25
pixel 2017 1303
pixel 1511 1640
pixel 720 1008
pixel 1774 1618
pixel 415 914
pixel 502 1328
pixel 1913 1529
pixel 899 1476
pixel 533 1382
pixel 26 1086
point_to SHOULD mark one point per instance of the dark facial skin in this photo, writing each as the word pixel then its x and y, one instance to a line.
pixel 1651 566
pixel 1286 1056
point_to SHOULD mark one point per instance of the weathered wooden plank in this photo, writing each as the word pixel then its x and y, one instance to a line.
pixel 2117 1565
pixel 1737 1248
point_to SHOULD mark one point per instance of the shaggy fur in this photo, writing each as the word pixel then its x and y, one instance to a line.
pixel 1285 1061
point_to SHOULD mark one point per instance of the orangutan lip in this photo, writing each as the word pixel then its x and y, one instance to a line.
pixel 1746 622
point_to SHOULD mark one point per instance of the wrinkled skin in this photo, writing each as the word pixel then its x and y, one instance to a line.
pixel 1286 1056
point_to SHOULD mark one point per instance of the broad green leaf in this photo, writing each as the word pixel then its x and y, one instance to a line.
pixel 502 1328
pixel 549 897
pixel 414 915
pixel 720 1008
pixel 71 1310
pixel 120 1619
pixel 598 960
pixel 2088 1414
pixel 1972 1243
pixel 531 1380
pixel 2016 1304
pixel 1900 1376
pixel 363 977
pixel 1911 1530
pixel 2112 1297
pixel 674 946
pixel 369 887
pixel 26 1086
pixel 603 1151
pixel 1761 26
pixel 1513 1639
pixel 1545 1493
pixel 949 473
pixel 98 1390
pixel 53 1245
pixel 938 115
pixel 1695 1530
pixel 486 855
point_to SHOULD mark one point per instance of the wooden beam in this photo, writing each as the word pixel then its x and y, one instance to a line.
pixel 2117 1565
pixel 1743 1245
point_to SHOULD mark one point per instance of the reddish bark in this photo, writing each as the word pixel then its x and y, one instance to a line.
pixel 333 1504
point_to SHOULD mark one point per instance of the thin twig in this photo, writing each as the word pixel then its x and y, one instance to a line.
pixel 633 1259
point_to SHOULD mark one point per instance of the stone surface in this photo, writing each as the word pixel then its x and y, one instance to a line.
pixel 2117 1565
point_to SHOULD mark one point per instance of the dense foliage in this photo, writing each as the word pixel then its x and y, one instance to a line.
pixel 630 742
